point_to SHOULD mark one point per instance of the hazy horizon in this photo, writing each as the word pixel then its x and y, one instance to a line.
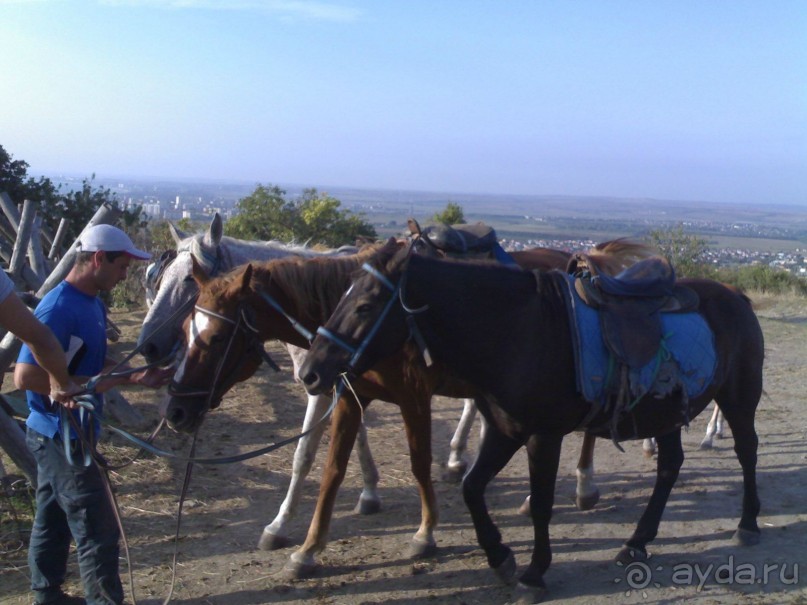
pixel 670 100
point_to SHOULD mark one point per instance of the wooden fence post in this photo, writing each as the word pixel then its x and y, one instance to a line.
pixel 26 225
pixel 58 239
pixel 10 210
pixel 36 256
pixel 12 441
pixel 10 345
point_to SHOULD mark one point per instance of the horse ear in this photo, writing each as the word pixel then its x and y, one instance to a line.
pixel 246 277
pixel 198 272
pixel 176 233
pixel 414 227
pixel 213 236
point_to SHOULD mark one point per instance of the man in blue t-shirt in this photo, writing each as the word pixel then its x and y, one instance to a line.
pixel 71 500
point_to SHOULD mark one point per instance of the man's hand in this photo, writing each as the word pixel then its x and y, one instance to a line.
pixel 153 377
pixel 64 394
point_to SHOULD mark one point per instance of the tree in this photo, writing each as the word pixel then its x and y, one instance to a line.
pixel 686 253
pixel 13 176
pixel 78 207
pixel 311 218
pixel 452 214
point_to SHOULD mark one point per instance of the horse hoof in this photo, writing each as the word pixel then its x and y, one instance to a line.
pixel 506 572
pixel 270 541
pixel 706 445
pixel 745 537
pixel 528 595
pixel 367 506
pixel 629 555
pixel 524 509
pixel 454 474
pixel 588 501
pixel 422 550
pixel 298 571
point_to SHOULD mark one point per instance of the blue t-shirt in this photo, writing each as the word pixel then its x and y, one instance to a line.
pixel 78 321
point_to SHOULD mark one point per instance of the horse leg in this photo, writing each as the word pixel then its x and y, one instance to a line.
pixel 369 500
pixel 746 443
pixel 649 447
pixel 275 535
pixel 344 427
pixel 544 457
pixel 418 422
pixel 457 465
pixel 711 429
pixel 670 459
pixel 495 451
pixel 587 494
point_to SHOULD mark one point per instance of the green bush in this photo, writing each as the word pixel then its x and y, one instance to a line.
pixel 763 278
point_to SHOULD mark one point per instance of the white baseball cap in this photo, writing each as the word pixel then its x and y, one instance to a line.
pixel 107 238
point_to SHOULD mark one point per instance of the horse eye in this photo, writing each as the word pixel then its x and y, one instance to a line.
pixel 188 279
pixel 364 308
pixel 216 339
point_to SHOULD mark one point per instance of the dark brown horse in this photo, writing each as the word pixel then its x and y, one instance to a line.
pixel 234 316
pixel 506 335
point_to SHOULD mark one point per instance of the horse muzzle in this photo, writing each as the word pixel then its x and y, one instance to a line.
pixel 186 407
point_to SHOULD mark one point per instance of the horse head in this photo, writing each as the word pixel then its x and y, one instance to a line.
pixel 223 347
pixel 374 303
pixel 171 287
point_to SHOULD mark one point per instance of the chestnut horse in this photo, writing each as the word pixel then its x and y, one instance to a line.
pixel 507 335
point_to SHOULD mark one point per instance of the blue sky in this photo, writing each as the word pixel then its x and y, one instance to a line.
pixel 668 99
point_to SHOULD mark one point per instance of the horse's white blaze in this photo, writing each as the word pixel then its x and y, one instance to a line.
pixel 199 323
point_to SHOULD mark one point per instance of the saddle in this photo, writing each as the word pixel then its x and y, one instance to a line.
pixel 460 241
pixel 630 305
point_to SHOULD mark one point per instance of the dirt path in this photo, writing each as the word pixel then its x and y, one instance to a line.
pixel 365 563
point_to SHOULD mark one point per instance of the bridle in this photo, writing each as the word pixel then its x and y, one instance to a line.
pixel 396 295
pixel 155 274
pixel 243 324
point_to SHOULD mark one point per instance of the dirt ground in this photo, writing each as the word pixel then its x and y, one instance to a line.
pixel 365 561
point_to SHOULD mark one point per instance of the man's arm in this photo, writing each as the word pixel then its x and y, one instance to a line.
pixel 54 377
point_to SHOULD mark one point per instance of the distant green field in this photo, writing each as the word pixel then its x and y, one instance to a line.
pixel 522 228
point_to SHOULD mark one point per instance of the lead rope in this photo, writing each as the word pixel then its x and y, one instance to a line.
pixel 86 438
pixel 85 402
pixel 185 486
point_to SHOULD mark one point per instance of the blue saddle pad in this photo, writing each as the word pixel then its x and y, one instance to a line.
pixel 502 256
pixel 686 357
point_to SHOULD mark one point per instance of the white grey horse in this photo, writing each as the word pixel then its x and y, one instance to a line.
pixel 169 286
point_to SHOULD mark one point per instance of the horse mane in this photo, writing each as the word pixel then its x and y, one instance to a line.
pixel 315 284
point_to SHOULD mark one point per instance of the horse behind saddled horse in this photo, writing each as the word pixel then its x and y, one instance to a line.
pixel 508 334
